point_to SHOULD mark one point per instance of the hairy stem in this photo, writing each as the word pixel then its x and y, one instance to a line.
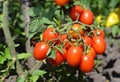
pixel 25 7
pixel 8 36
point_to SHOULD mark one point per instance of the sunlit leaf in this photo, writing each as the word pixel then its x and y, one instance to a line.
pixel 7 53
pixel 52 54
pixel 23 55
pixel 39 72
pixel 20 79
pixel 2 59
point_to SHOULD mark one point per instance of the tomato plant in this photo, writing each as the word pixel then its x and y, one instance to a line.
pixel 54 39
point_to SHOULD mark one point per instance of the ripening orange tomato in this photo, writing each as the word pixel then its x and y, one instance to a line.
pixel 61 2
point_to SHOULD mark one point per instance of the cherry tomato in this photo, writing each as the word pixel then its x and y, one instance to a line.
pixel 58 59
pixel 74 55
pixel 76 30
pixel 40 50
pixel 87 17
pixel 99 33
pixel 49 34
pixel 99 44
pixel 75 12
pixel 91 52
pixel 78 27
pixel 61 2
pixel 74 34
pixel 87 40
pixel 87 63
pixel 63 38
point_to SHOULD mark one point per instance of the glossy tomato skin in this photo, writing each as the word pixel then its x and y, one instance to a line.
pixel 99 44
pixel 98 32
pixel 91 52
pixel 74 55
pixel 87 17
pixel 76 30
pixel 59 58
pixel 78 27
pixel 40 50
pixel 87 40
pixel 64 39
pixel 61 2
pixel 87 63
pixel 75 12
pixel 49 34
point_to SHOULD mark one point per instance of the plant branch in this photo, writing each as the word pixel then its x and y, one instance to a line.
pixel 8 36
pixel 25 7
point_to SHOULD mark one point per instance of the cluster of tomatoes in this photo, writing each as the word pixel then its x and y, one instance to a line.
pixel 78 45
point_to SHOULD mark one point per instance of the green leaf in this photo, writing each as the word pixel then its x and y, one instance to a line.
pixel 113 3
pixel 34 78
pixel 52 54
pixel 1 53
pixel 34 25
pixel 115 30
pixel 20 79
pixel 39 72
pixel 48 52
pixel 2 59
pixel 23 55
pixel 45 20
pixel 59 49
pixel 11 64
pixel 7 53
pixel 97 63
pixel 33 11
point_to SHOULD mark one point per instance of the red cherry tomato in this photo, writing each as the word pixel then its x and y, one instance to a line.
pixel 61 2
pixel 87 17
pixel 75 12
pixel 91 52
pixel 64 39
pixel 59 58
pixel 87 40
pixel 74 55
pixel 78 27
pixel 99 44
pixel 87 63
pixel 49 34
pixel 99 33
pixel 40 50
